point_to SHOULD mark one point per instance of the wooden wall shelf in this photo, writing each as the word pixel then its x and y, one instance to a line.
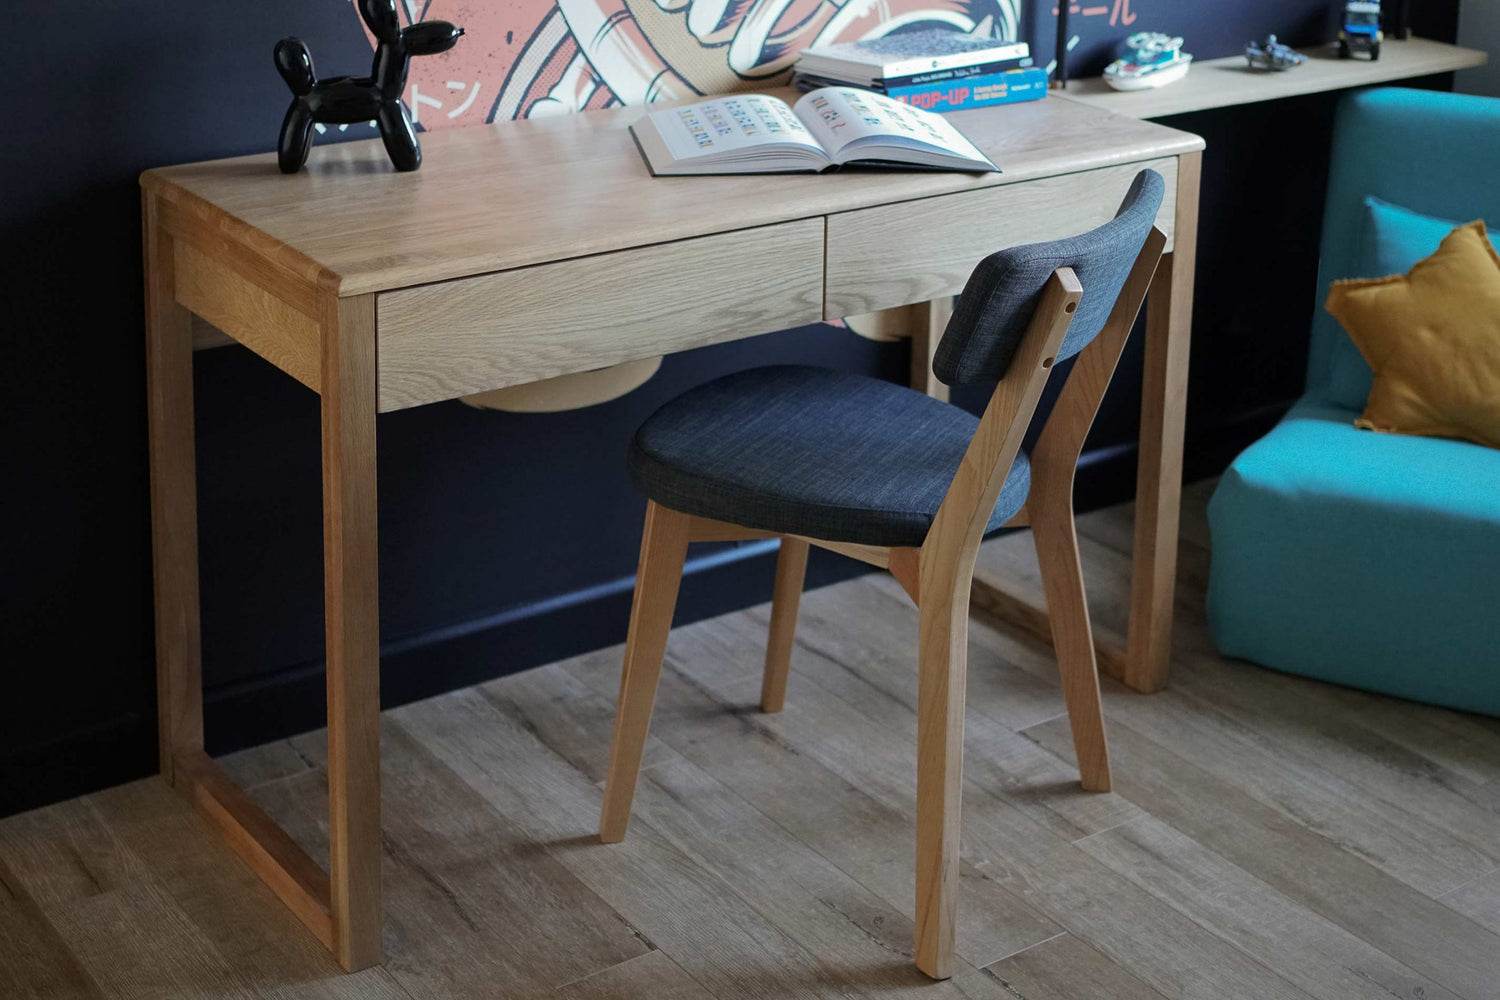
pixel 1221 83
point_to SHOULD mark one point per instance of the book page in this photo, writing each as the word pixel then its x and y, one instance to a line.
pixel 726 125
pixel 839 117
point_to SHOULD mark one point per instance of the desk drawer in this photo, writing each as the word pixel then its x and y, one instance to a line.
pixel 920 250
pixel 459 337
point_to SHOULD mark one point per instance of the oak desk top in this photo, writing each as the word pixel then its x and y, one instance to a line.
pixel 1221 83
pixel 521 193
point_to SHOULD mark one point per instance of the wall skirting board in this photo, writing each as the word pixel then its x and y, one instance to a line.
pixel 515 639
pixel 291 700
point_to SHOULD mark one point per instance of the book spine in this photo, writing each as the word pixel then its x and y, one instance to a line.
pixel 957 73
pixel 1010 87
pixel 912 67
pixel 811 81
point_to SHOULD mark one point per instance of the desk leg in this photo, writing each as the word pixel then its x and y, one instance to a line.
pixel 351 604
pixel 932 320
pixel 174 502
pixel 1158 495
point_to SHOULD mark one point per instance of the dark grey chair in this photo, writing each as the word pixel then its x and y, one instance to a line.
pixel 897 479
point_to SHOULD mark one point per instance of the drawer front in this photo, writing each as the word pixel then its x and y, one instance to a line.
pixel 916 251
pixel 460 337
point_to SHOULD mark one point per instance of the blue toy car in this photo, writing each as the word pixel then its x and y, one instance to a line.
pixel 1361 31
pixel 1272 55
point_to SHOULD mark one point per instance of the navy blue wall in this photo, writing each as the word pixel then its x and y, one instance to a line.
pixel 507 540
pixel 1209 30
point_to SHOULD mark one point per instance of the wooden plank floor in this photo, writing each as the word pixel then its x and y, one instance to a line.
pixel 1269 837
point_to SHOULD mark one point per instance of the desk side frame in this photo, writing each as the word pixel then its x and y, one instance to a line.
pixel 288 310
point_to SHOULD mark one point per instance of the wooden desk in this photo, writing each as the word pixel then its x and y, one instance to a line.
pixel 531 249
pixel 1221 83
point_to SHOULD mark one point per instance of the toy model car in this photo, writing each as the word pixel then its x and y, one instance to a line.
pixel 1271 54
pixel 1361 31
pixel 1152 60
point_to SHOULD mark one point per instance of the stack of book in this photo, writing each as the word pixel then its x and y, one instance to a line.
pixel 936 70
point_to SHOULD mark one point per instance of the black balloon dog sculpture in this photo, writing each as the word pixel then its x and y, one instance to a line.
pixel 348 100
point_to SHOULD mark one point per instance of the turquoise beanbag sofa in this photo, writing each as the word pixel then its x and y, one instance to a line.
pixel 1372 560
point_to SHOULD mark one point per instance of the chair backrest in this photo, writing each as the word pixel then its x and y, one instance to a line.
pixel 1052 320
pixel 997 304
pixel 1430 152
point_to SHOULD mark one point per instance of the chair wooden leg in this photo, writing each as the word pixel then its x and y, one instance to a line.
pixel 940 749
pixel 1072 637
pixel 791 567
pixel 663 550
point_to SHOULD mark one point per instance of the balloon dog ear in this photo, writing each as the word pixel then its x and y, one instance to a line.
pixel 380 17
pixel 295 65
pixel 431 37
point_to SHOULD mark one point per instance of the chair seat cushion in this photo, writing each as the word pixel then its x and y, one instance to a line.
pixel 1361 558
pixel 814 452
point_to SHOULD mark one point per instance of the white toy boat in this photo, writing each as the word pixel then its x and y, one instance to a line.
pixel 1154 60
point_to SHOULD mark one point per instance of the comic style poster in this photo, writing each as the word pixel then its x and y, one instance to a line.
pixel 529 58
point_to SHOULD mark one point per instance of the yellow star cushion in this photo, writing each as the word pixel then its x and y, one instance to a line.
pixel 1432 337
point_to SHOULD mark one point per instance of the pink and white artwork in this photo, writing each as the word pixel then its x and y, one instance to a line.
pixel 528 58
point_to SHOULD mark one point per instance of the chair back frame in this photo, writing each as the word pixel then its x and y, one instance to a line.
pixel 1062 439
pixel 965 511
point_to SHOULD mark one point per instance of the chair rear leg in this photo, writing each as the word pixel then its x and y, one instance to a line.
pixel 1072 636
pixel 940 752
pixel 663 550
pixel 791 568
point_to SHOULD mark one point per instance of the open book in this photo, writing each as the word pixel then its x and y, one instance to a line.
pixel 830 126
